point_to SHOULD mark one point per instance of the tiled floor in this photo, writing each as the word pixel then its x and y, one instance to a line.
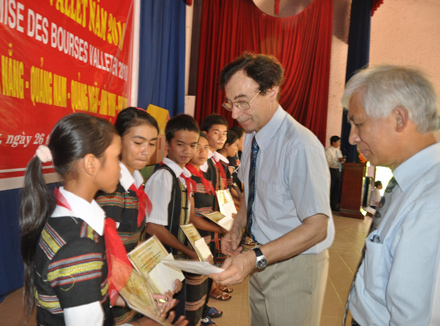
pixel 344 257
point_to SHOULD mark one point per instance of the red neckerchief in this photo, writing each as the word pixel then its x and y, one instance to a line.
pixel 206 183
pixel 220 167
pixel 190 183
pixel 144 202
pixel 119 267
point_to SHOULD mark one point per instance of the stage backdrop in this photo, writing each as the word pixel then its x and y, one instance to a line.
pixel 56 57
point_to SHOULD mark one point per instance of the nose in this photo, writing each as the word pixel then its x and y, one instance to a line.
pixel 353 138
pixel 235 112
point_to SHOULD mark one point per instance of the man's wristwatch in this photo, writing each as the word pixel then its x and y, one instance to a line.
pixel 261 261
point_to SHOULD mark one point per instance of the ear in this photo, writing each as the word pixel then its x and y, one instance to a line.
pixel 90 164
pixel 402 118
pixel 273 93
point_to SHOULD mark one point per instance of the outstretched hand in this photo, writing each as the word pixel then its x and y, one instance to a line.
pixel 236 269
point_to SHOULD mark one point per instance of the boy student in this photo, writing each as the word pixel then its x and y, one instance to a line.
pixel 216 128
pixel 169 194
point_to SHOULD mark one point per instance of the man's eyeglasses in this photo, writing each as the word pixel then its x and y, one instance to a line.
pixel 241 105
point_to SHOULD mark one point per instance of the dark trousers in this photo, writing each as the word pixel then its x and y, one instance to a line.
pixel 354 323
pixel 335 188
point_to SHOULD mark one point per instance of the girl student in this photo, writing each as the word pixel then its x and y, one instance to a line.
pixel 202 202
pixel 62 243
pixel 128 204
pixel 229 149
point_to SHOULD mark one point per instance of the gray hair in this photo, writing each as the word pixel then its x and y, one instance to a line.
pixel 383 88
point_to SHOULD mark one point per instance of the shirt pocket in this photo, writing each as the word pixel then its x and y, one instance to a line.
pixel 273 200
pixel 376 269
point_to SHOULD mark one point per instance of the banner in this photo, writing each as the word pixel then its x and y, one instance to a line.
pixel 59 57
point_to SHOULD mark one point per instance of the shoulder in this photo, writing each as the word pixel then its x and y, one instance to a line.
pixel 66 232
pixel 298 136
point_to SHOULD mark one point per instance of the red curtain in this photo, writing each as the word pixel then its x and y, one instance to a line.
pixel 302 43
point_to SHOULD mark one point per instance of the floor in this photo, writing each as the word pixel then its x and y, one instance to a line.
pixel 344 257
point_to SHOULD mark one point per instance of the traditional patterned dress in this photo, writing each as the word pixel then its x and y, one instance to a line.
pixel 122 207
pixel 70 261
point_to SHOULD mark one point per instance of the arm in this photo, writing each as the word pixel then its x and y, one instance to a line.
pixel 231 240
pixel 202 224
pixel 414 270
pixel 312 231
pixel 169 239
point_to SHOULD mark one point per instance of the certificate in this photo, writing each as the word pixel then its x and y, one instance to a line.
pixel 218 218
pixel 147 257
pixel 139 297
pixel 197 242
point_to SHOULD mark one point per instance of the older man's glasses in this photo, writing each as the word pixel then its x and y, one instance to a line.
pixel 241 105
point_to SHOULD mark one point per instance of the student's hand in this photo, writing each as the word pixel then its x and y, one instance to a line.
pixel 177 286
pixel 164 304
pixel 193 255
pixel 231 243
pixel 236 269
pixel 210 260
pixel 182 321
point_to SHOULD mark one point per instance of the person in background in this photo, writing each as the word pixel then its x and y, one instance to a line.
pixel 285 207
pixel 375 194
pixel 229 149
pixel 235 160
pixel 128 204
pixel 216 128
pixel 335 159
pixel 393 111
pixel 202 201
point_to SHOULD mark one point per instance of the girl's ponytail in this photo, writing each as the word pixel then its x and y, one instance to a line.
pixel 37 205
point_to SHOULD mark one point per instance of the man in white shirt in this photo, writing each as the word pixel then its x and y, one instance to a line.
pixel 285 206
pixel 375 194
pixel 334 160
pixel 394 113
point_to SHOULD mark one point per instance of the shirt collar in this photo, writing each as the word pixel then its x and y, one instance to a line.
pixel 91 213
pixel 217 156
pixel 173 166
pixel 204 167
pixel 211 154
pixel 264 136
pixel 186 173
pixel 221 157
pixel 127 179
pixel 417 165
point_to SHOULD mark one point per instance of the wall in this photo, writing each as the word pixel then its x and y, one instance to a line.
pixel 407 32
pixel 403 32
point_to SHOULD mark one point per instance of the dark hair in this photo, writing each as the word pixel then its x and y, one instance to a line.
pixel 133 117
pixel 231 138
pixel 73 137
pixel 180 122
pixel 334 139
pixel 378 183
pixel 213 119
pixel 238 130
pixel 265 69
pixel 204 135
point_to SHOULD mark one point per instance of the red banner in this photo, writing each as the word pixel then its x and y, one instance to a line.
pixel 59 57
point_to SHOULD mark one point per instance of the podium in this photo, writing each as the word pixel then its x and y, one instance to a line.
pixel 352 188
